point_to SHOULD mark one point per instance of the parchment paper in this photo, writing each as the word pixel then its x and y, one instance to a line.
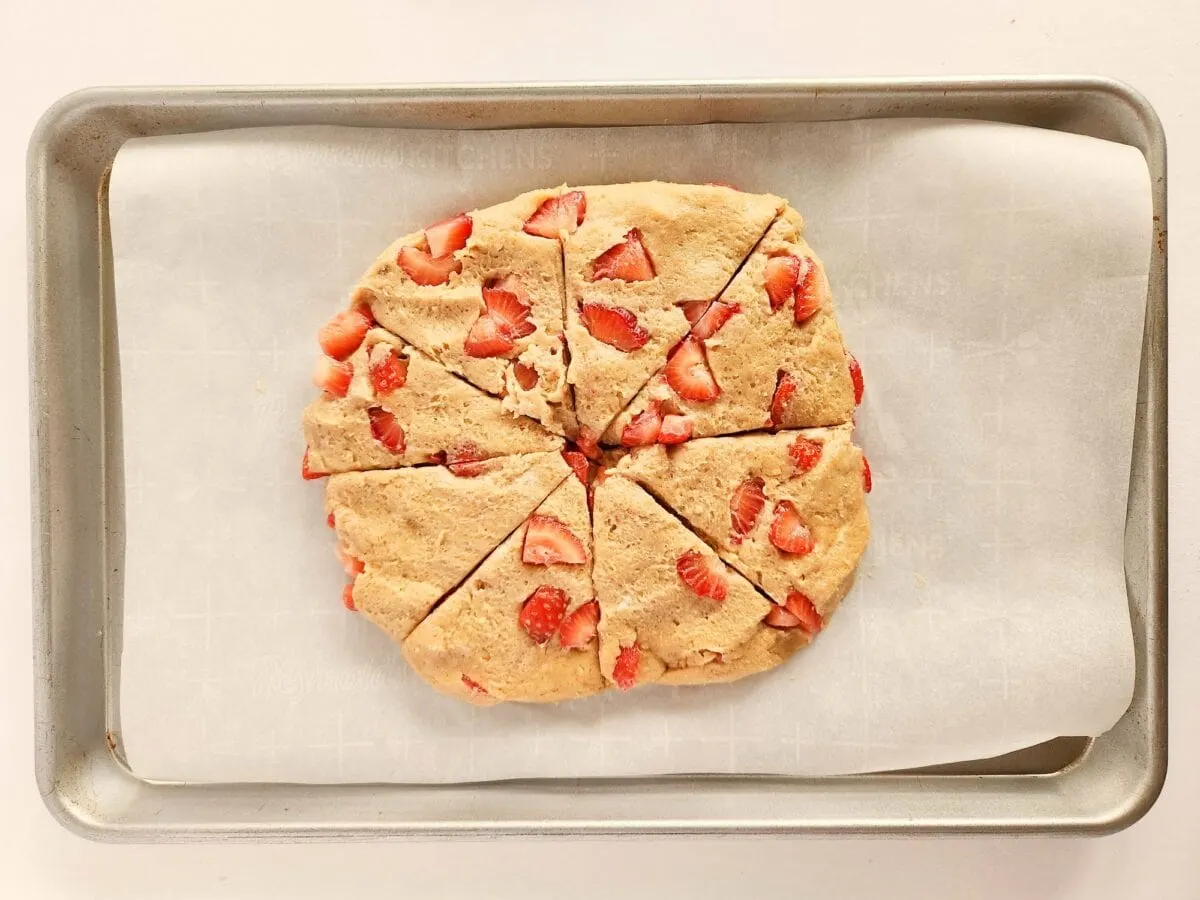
pixel 991 279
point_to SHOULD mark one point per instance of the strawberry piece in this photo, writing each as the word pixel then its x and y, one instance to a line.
pixel 614 325
pixel 557 215
pixel 866 475
pixel 306 473
pixel 856 378
pixel 693 309
pixel 805 612
pixel 579 628
pixel 332 377
pixel 804 453
pixel 449 235
pixel 675 430
pixel 549 541
pixel 329 521
pixel 781 617
pixel 527 376
pixel 788 531
pixel 505 305
pixel 808 301
pixel 388 370
pixel 344 333
pixel 688 373
pixel 713 319
pixel 488 337
pixel 626 261
pixel 386 430
pixel 724 184
pixel 703 574
pixel 644 429
pixel 780 276
pixel 352 564
pixel 588 443
pixel 785 389
pixel 578 463
pixel 542 612
pixel 466 460
pixel 423 269
pixel 474 686
pixel 626 667
pixel 745 506
pixel 348 597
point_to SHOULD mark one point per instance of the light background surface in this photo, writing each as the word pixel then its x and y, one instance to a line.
pixel 51 47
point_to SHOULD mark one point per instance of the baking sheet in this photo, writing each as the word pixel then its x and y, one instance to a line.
pixel 990 278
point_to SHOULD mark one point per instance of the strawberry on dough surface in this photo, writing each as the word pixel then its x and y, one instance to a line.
pixel 446 314
pixel 483 631
pixel 756 341
pixel 435 411
pixel 648 599
pixel 641 250
pixel 802 490
pixel 418 532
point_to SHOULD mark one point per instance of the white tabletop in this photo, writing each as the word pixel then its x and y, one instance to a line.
pixel 50 47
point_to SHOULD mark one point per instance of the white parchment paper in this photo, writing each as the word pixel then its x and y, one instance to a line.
pixel 991 279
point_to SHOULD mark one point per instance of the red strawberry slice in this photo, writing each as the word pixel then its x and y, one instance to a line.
pixel 703 574
pixel 527 376
pixel 588 443
pixel 626 667
pixel 614 325
pixel 785 389
pixel 423 269
pixel 675 430
pixel 856 378
pixel 578 463
pixel 780 276
pixel 474 686
pixel 644 429
pixel 388 370
pixel 788 531
pixel 805 612
pixel 332 377
pixel 348 597
pixel 549 541
pixel 713 319
pixel 866 475
pixel 329 521
pixel 693 309
pixel 505 305
pixel 745 506
pixel 466 460
pixel 804 453
pixel 449 235
pixel 488 337
pixel 688 373
pixel 344 333
pixel 781 617
pixel 386 429
pixel 352 564
pixel 579 628
pixel 542 612
pixel 306 473
pixel 808 301
pixel 557 215
pixel 626 261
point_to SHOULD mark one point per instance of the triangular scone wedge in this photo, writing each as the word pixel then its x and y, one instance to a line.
pixel 474 646
pixel 641 250
pixel 411 535
pixel 775 360
pixel 670 610
pixel 438 305
pixel 747 494
pixel 403 409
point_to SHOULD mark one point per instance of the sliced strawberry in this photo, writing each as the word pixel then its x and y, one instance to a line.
pixel 588 443
pixel 675 430
pixel 703 574
pixel 488 337
pixel 781 617
pixel 474 686
pixel 329 521
pixel 332 377
pixel 785 389
pixel 804 453
pixel 579 628
pixel 507 308
pixel 308 474
pixel 713 319
pixel 386 429
pixel 788 531
pixel 693 309
pixel 424 269
pixel 856 378
pixel 724 184
pixel 614 325
pixel 745 506
pixel 449 235
pixel 527 376
pixel 806 614
pixel 866 475
pixel 688 373
pixel 348 597
pixel 781 275
pixel 626 667
pixel 549 541
pixel 626 261
pixel 808 301
pixel 388 369
pixel 644 429
pixel 557 215
pixel 578 463
pixel 352 564
pixel 543 611
pixel 466 460
pixel 344 333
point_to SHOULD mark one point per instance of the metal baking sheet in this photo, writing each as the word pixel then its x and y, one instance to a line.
pixel 1072 785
